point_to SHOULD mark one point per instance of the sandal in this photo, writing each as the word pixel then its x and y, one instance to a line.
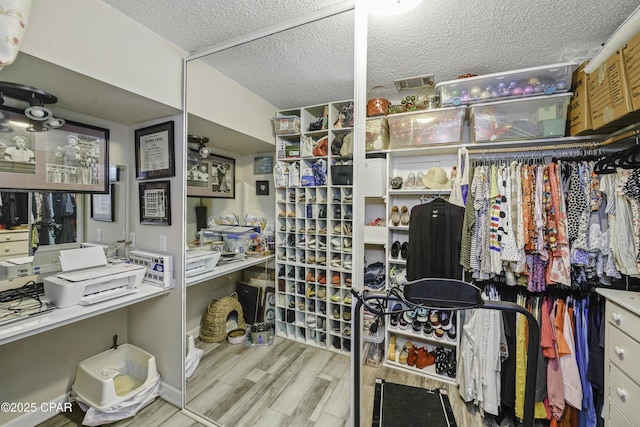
pixel 391 354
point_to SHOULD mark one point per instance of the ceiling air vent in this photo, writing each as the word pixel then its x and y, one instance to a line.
pixel 415 82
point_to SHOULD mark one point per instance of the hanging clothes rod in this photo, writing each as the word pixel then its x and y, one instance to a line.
pixel 577 145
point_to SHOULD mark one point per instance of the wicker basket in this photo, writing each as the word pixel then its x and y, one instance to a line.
pixel 214 320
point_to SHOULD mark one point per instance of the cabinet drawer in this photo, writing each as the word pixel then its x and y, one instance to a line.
pixel 13 248
pixel 624 393
pixel 624 320
pixel 616 418
pixel 624 352
pixel 11 236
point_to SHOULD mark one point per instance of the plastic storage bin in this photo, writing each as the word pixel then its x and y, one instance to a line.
pixel 525 118
pixel 526 82
pixel 97 378
pixel 286 125
pixel 427 127
pixel 377 134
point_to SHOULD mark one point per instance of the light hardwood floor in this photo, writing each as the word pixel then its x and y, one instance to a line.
pixel 284 384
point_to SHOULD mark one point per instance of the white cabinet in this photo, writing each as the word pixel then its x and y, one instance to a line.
pixel 14 244
pixel 622 350
pixel 313 231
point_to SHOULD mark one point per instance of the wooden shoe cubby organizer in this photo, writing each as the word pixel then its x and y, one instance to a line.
pixel 313 234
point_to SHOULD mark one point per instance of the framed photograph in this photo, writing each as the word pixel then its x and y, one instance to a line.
pixel 262 165
pixel 155 203
pixel 155 157
pixel 211 176
pixel 262 188
pixel 71 158
pixel 102 205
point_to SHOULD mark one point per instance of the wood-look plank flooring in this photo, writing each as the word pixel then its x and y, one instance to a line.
pixel 284 384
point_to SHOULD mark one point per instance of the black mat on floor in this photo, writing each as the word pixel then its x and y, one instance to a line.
pixel 399 405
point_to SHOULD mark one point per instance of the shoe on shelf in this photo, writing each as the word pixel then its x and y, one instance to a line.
pixel 311 292
pixel 322 292
pixel 337 229
pixel 404 354
pixel 310 277
pixel 335 297
pixel 395 249
pixel 424 358
pixel 335 279
pixel 336 313
pixel 347 299
pixel 322 260
pixel 391 354
pixel 395 215
pixel 322 278
pixel 419 182
pixel 346 315
pixel 411 181
pixel 422 315
pixel 404 216
pixel 404 250
pixel 411 358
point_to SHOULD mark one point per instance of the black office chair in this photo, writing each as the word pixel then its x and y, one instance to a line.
pixel 444 294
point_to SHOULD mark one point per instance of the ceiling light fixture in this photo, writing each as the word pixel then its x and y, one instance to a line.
pixel 200 145
pixel 37 99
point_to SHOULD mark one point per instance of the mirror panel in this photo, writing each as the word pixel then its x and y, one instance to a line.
pixel 210 387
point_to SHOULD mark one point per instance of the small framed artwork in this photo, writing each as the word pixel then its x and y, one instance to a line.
pixel 211 176
pixel 262 188
pixel 262 165
pixel 155 203
pixel 155 156
pixel 102 205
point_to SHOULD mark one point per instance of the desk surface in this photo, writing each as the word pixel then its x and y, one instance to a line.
pixel 63 316
pixel 221 270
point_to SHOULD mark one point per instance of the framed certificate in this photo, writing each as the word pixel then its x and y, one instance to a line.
pixel 155 156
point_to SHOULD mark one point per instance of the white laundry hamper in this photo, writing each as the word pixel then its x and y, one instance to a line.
pixel 98 378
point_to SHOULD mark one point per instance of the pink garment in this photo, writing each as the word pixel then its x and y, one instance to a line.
pixel 569 366
pixel 555 390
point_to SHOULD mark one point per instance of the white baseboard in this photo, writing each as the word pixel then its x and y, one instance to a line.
pixel 195 332
pixel 171 395
pixel 41 414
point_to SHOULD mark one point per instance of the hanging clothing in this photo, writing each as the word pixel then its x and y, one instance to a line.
pixel 435 232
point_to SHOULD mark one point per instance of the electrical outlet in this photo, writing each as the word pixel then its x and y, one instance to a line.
pixel 98 235
pixel 163 243
pixel 132 239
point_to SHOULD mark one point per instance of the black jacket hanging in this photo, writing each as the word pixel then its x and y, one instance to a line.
pixel 435 232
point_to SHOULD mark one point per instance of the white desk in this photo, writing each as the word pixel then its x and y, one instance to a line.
pixel 63 316
pixel 221 270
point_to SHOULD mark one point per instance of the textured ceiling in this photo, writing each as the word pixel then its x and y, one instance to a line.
pixel 313 63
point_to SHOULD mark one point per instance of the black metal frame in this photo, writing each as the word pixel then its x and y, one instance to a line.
pixel 449 294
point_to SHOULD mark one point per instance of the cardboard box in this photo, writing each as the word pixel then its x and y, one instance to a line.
pixel 609 97
pixel 631 54
pixel 579 113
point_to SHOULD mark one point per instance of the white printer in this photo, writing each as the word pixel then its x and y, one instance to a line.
pixel 200 261
pixel 87 278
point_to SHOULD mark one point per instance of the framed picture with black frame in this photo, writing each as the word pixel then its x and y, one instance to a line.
pixel 102 205
pixel 70 158
pixel 155 203
pixel 212 176
pixel 154 148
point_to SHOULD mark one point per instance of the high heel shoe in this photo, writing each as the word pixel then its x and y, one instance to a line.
pixel 395 215
pixel 404 216
pixel 411 181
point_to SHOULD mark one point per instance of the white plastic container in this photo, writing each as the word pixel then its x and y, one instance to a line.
pixel 515 119
pixel 426 127
pixel 526 82
pixel 97 377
